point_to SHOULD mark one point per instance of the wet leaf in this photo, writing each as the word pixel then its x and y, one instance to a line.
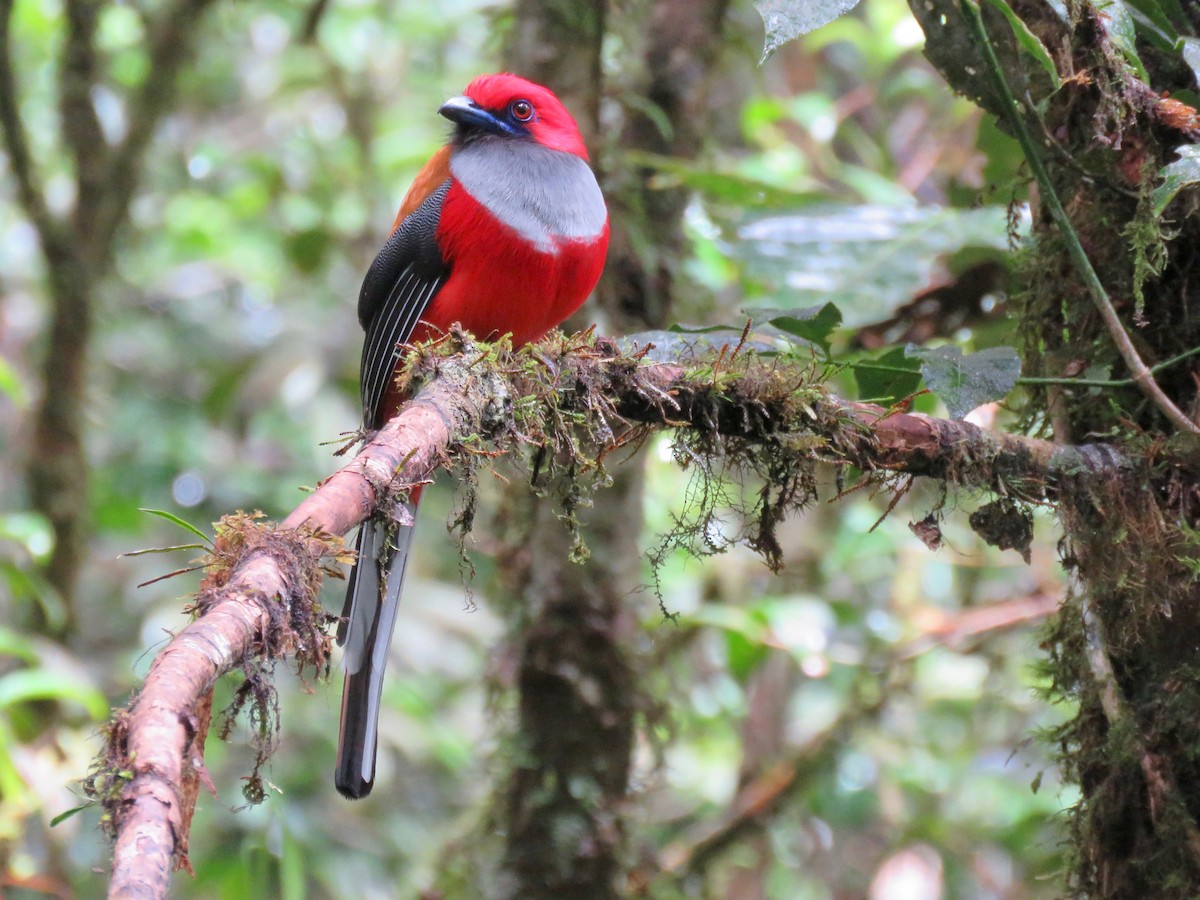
pixel 866 259
pixel 965 382
pixel 1183 172
pixel 786 20
pixel 1154 24
pixel 1190 50
pixel 1118 24
pixel 1167 15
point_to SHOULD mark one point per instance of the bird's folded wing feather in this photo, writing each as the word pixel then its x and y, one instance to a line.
pixel 398 288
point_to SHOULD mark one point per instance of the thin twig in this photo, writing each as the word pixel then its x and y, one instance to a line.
pixel 312 21
pixel 1109 382
pixel 80 124
pixel 1142 375
pixel 955 630
pixel 16 143
pixel 766 795
pixel 171 46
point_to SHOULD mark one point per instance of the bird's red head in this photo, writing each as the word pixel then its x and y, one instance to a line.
pixel 512 106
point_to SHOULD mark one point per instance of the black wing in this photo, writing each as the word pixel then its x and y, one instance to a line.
pixel 398 288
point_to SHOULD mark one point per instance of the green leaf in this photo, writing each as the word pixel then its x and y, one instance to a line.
pixel 718 184
pixel 11 385
pixel 24 685
pixel 745 632
pixel 1183 95
pixel 1118 24
pixel 1164 15
pixel 1154 24
pixel 63 816
pixel 171 517
pixel 1189 49
pixel 292 866
pixel 1172 10
pixel 813 324
pixel 1183 172
pixel 31 530
pixel 16 645
pixel 888 379
pixel 166 549
pixel 743 655
pixel 307 249
pixel 864 258
pixel 786 20
pixel 965 382
pixel 1029 41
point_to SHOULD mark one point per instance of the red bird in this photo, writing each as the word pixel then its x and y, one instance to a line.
pixel 504 231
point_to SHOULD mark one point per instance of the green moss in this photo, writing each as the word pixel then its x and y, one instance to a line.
pixel 1147 240
pixel 759 423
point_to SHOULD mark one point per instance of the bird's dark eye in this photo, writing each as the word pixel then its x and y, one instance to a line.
pixel 522 110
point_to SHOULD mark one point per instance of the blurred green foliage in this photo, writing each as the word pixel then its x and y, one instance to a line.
pixel 226 361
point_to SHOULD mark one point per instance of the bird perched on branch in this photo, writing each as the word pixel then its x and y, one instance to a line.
pixel 504 231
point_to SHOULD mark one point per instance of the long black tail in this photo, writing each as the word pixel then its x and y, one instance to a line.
pixel 366 633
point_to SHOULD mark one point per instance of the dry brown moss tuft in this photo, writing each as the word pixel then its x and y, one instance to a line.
pixel 110 771
pixel 298 623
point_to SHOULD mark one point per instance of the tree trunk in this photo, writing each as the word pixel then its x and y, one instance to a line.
pixel 564 806
pixel 1125 644
pixel 58 469
pixel 77 250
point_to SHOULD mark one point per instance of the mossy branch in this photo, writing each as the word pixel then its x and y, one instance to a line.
pixel 257 604
pixel 473 401
pixel 1143 377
